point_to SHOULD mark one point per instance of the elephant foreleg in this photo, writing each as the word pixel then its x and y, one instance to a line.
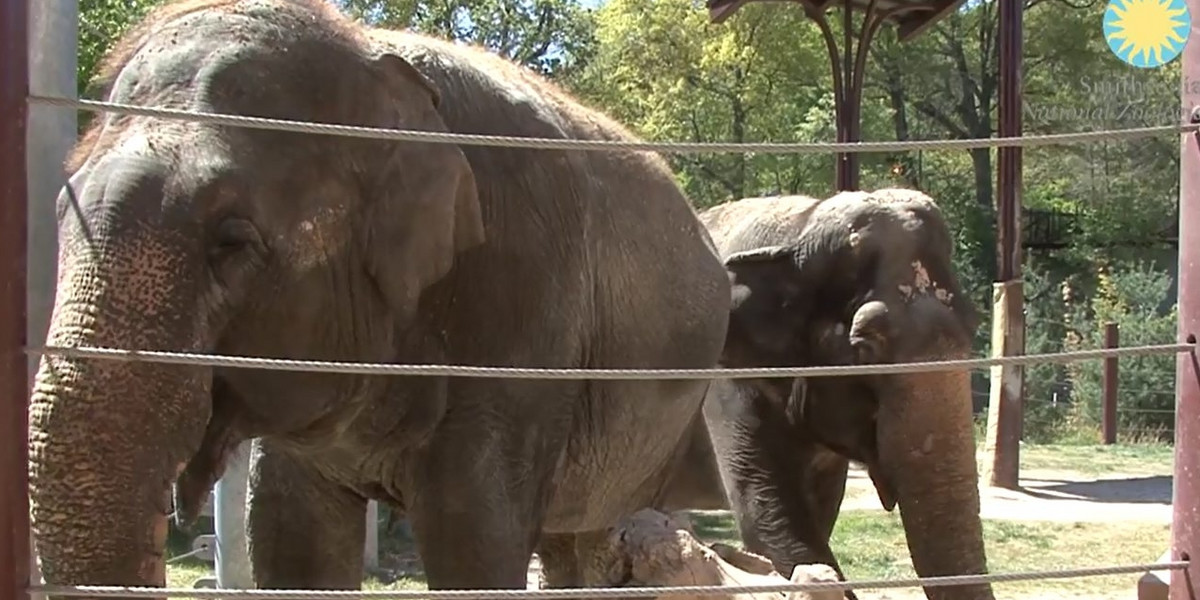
pixel 304 531
pixel 827 475
pixel 769 480
pixel 481 490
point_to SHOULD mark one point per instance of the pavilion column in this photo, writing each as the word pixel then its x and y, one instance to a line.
pixel 848 64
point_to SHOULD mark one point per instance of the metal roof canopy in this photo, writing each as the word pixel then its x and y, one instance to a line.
pixel 911 17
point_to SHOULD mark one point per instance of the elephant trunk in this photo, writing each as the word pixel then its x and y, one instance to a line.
pixel 927 450
pixel 107 438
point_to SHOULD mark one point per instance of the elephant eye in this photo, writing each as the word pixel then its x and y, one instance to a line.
pixel 234 235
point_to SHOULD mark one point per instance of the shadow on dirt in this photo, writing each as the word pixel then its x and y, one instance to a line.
pixel 1139 490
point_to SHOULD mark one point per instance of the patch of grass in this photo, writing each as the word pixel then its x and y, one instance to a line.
pixel 185 574
pixel 1100 460
pixel 871 545
pixel 715 526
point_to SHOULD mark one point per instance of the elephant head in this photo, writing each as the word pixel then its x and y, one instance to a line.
pixel 869 280
pixel 198 237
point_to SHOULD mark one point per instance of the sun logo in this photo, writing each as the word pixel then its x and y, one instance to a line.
pixel 1146 33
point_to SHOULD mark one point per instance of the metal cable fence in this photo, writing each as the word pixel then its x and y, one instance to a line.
pixel 209 360
pixel 617 592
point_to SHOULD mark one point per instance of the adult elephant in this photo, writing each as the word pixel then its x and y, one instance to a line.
pixel 859 278
pixel 198 237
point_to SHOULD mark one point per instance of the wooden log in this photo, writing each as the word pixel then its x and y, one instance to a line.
pixel 650 548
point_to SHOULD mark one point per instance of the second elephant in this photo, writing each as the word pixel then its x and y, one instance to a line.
pixel 859 278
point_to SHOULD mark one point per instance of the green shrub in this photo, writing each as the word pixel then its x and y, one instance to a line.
pixel 1131 295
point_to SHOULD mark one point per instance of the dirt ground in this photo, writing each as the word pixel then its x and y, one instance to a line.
pixel 1047 495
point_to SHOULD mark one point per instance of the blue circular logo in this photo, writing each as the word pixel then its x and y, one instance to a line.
pixel 1147 33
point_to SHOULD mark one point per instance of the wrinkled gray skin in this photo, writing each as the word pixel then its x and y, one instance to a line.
pixel 856 279
pixel 192 237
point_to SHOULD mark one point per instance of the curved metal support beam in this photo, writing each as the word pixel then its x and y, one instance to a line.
pixel 848 78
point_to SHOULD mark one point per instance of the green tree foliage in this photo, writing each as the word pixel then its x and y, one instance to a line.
pixel 552 37
pixel 763 76
pixel 1131 294
pixel 1047 386
pixel 101 23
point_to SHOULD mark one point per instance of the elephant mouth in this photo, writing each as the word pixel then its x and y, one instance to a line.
pixel 222 436
pixel 864 452
pixel 883 486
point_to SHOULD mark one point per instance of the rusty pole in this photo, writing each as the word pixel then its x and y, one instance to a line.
pixel 1006 404
pixel 1108 422
pixel 14 486
pixel 1185 505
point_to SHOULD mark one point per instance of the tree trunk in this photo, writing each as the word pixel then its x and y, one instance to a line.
pixel 897 100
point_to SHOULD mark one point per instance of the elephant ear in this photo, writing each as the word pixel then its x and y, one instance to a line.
pixel 871 333
pixel 423 197
pixel 776 290
pixel 766 292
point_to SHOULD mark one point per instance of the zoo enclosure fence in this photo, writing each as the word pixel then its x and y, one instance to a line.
pixel 473 371
pixel 13 114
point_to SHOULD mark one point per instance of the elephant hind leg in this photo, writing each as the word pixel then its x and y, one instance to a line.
pixel 560 567
pixel 305 531
pixel 827 480
pixel 569 559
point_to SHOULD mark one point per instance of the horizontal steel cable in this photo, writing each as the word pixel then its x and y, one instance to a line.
pixel 574 144
pixel 618 592
pixel 359 368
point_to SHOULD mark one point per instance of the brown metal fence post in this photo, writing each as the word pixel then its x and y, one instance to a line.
pixel 1185 524
pixel 1006 406
pixel 14 505
pixel 1109 419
